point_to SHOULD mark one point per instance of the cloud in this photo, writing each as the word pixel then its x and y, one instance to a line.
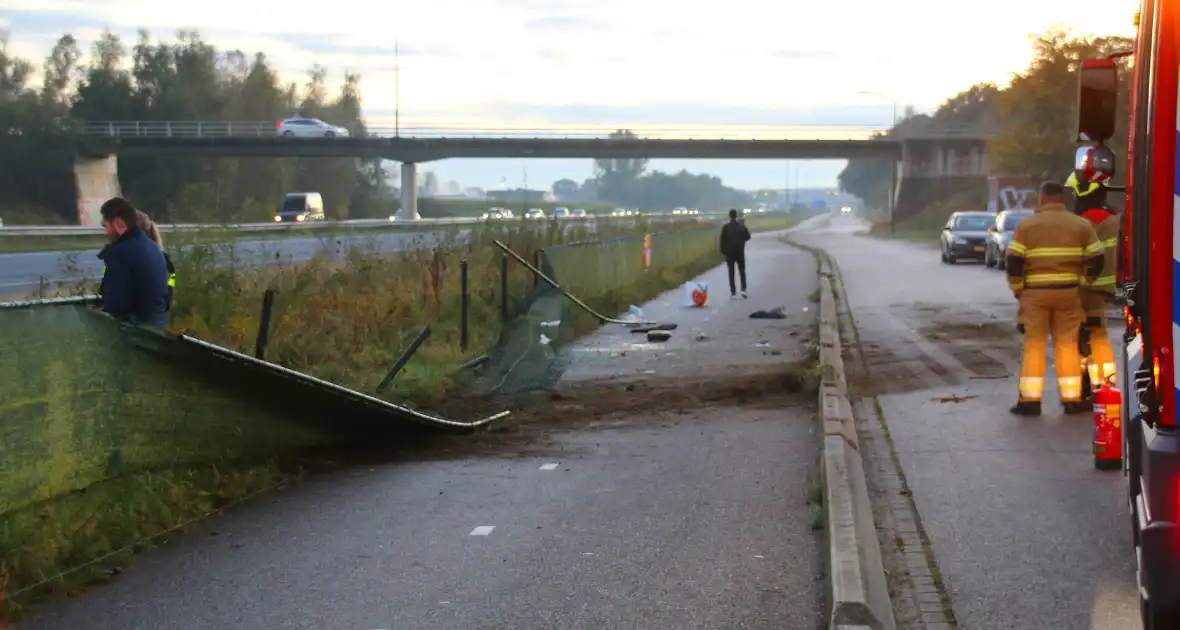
pixel 601 59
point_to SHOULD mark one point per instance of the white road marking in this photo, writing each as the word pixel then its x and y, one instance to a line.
pixel 548 467
pixel 482 530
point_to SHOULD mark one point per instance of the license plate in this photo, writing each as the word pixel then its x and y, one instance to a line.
pixel 979 248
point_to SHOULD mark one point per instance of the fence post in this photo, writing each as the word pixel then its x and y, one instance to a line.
pixel 504 287
pixel 268 302
pixel 463 304
pixel 404 359
pixel 537 264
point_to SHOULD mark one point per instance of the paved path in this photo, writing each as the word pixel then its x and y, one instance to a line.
pixel 693 518
pixel 1026 533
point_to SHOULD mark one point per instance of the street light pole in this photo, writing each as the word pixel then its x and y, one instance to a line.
pixel 893 167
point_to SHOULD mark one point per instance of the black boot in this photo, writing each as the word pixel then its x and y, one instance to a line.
pixel 1076 407
pixel 1026 408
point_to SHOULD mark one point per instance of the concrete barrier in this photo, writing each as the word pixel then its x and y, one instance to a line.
pixel 858 592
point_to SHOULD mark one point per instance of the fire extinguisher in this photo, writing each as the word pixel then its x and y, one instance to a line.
pixel 1108 428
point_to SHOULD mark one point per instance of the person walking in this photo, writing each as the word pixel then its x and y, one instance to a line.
pixel 734 235
pixel 135 277
pixel 1052 255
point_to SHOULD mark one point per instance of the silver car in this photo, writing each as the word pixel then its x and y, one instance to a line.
pixel 999 236
pixel 308 128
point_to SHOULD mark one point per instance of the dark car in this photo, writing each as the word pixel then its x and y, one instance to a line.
pixel 964 236
pixel 1000 234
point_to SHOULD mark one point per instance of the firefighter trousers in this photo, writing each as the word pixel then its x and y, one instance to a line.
pixel 1057 313
pixel 1102 367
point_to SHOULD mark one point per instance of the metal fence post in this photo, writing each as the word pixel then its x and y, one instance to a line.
pixel 504 287
pixel 463 304
pixel 537 264
pixel 268 302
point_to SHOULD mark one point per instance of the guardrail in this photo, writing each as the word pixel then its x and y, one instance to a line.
pixel 264 129
pixel 325 226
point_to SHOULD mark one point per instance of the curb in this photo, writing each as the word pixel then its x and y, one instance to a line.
pixel 858 593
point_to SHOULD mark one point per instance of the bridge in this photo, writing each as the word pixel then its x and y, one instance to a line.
pixel 410 144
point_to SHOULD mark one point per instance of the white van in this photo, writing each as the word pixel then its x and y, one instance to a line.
pixel 300 208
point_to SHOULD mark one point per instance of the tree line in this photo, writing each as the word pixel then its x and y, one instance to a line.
pixel 628 182
pixel 186 79
pixel 1033 118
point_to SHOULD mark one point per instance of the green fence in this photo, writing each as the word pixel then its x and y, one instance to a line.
pixel 82 401
pixel 606 275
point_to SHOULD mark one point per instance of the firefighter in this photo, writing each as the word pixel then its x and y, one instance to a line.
pixel 1053 253
pixel 1094 341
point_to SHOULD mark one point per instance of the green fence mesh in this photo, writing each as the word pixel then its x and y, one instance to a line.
pixel 83 401
pixel 531 351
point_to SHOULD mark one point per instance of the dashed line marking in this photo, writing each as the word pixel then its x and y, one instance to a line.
pixel 482 530
pixel 548 467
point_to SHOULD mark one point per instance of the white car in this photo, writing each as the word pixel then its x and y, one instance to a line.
pixel 561 213
pixel 534 213
pixel 308 128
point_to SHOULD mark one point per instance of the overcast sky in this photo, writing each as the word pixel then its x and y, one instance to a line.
pixel 638 63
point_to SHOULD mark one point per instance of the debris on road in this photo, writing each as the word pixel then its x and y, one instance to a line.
pixel 774 313
pixel 952 398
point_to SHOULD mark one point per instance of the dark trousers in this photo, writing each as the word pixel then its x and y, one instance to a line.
pixel 740 261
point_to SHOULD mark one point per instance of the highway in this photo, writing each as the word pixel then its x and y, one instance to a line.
pixel 21 274
pixel 590 515
pixel 1025 533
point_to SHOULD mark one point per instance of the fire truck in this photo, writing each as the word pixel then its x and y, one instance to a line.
pixel 1150 276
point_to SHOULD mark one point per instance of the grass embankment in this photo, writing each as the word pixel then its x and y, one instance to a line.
pixel 340 318
pixel 925 226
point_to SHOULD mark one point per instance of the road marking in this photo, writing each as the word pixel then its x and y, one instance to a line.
pixel 482 530
pixel 548 466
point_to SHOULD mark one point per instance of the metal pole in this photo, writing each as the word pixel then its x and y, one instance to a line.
pixel 504 287
pixel 404 359
pixel 537 264
pixel 268 302
pixel 463 302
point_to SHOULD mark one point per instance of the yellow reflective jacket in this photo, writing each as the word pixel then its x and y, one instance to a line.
pixel 1053 249
pixel 1106 224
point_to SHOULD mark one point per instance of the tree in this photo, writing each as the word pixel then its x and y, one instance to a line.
pixel 1037 122
pixel 565 190
pixel 618 178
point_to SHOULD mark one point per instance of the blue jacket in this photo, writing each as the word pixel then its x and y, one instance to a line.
pixel 135 284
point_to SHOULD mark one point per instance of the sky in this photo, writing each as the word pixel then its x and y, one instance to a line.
pixel 577 64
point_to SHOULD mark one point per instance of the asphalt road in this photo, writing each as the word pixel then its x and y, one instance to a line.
pixel 23 273
pixel 686 519
pixel 1026 534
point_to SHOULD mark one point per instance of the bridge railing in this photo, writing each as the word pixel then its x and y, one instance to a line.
pixel 266 129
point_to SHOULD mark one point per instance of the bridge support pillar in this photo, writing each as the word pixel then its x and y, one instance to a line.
pixel 409 205
pixel 96 179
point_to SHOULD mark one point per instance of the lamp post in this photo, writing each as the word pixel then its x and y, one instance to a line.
pixel 893 167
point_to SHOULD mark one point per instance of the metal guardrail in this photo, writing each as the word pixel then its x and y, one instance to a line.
pixel 323 226
pixel 264 129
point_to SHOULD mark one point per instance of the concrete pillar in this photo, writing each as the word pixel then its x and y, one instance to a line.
pixel 409 209
pixel 96 179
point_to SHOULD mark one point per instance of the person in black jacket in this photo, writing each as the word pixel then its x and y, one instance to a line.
pixel 733 246
pixel 135 280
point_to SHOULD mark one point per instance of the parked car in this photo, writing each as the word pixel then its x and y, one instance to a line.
pixel 308 128
pixel 1000 235
pixel 963 236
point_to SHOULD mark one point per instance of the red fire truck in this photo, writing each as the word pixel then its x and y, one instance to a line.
pixel 1150 273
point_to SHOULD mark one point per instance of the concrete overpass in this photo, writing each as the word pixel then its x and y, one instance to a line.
pixel 99 143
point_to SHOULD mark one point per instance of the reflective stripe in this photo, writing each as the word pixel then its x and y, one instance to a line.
pixel 1095 371
pixel 172 280
pixel 1050 252
pixel 1017 248
pixel 1031 387
pixel 1111 242
pixel 1070 387
pixel 1103 281
pixel 1094 248
pixel 1052 278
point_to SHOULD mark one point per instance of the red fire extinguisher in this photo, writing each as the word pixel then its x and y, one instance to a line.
pixel 1108 428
